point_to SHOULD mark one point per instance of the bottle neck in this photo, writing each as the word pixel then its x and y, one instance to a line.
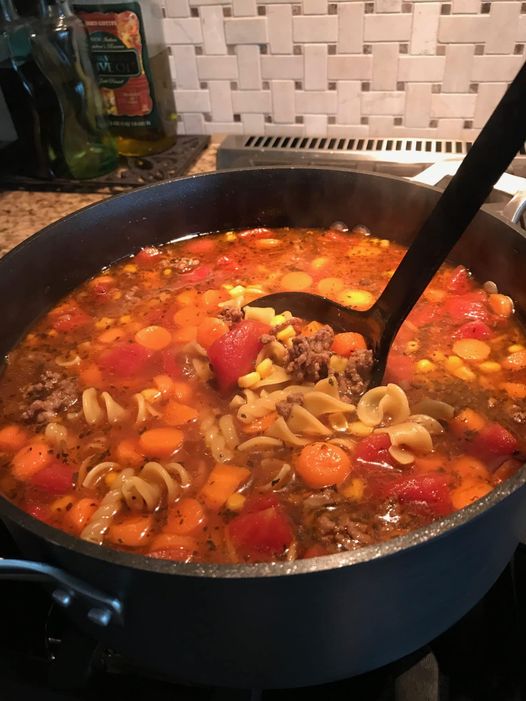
pixel 8 13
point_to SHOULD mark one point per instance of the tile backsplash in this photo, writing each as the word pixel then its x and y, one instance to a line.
pixel 322 68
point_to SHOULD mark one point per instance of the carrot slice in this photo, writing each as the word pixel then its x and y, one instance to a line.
pixel 161 442
pixel 186 517
pixel 128 453
pixel 169 541
pixel 311 328
pixel 515 361
pixel 185 334
pixel 222 481
pixel 330 286
pixel 471 349
pixel 260 425
pixel 209 330
pixel 469 467
pixel 323 465
pixel 164 384
pixel 177 414
pixel 517 390
pixel 132 532
pixel 189 316
pixel 12 437
pixel 182 391
pixel 296 281
pixel 91 376
pixel 31 459
pixel 154 337
pixel 348 342
pixel 471 491
pixel 466 421
pixel 80 513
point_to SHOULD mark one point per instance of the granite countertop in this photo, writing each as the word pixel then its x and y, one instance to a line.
pixel 23 213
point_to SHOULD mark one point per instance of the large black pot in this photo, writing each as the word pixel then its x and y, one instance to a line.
pixel 267 625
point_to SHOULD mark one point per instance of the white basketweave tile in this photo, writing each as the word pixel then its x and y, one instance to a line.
pixel 385 66
pixel 315 28
pixel 182 31
pixel 354 67
pixel 192 100
pixel 276 67
pixel 450 128
pixel 315 7
pixel 195 3
pixel 315 102
pixel 488 96
pixel 350 27
pixel 249 67
pixel 387 27
pixel 315 124
pixel 279 26
pixel 490 69
pixel 521 30
pixel 503 27
pixel 348 108
pixel 315 76
pixel 413 133
pixel 425 28
pixel 184 58
pixel 251 101
pixel 194 123
pixel 284 130
pixel 465 7
pixel 383 102
pixel 388 5
pixel 172 66
pixel 380 125
pixel 221 101
pixel 463 29
pixel 180 128
pixel 349 131
pixel 253 124
pixel 283 104
pixel 450 105
pixel 213 30
pixel 244 8
pixel 417 105
pixel 217 67
pixel 223 128
pixel 177 8
pixel 428 69
pixel 459 66
pixel 251 30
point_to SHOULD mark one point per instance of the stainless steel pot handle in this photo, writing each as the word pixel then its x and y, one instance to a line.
pixel 510 184
pixel 102 608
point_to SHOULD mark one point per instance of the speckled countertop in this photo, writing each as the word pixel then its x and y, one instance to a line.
pixel 23 213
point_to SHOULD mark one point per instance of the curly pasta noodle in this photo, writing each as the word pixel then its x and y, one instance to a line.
pixel 113 412
pixel 220 437
pixel 153 484
pixel 408 438
pixel 93 475
pixel 109 507
pixel 383 403
pixel 56 434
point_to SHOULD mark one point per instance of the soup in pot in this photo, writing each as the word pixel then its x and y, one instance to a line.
pixel 155 411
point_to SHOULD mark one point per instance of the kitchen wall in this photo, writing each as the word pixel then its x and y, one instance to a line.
pixel 325 68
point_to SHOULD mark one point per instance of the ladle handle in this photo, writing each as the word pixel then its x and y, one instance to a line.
pixel 490 155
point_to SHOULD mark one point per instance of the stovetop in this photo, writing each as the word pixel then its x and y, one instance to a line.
pixel 43 657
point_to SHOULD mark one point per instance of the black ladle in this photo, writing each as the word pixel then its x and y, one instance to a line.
pixel 490 155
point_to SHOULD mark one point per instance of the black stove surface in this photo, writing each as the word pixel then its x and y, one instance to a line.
pixel 43 657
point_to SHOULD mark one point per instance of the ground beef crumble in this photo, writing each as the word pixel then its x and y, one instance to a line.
pixel 354 380
pixel 231 315
pixel 308 356
pixel 52 393
pixel 184 264
pixel 285 407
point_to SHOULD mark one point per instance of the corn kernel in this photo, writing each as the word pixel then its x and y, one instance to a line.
pixel 151 394
pixel 337 363
pixel 62 504
pixel 236 291
pixel 227 286
pixel 384 243
pixel 318 263
pixel 125 319
pixel 453 362
pixel 130 268
pixel 464 373
pixel 287 315
pixel 167 272
pixel 265 367
pixel 425 366
pixel 489 366
pixel 110 478
pixel 515 348
pixel 249 379
pixel 354 490
pixel 286 333
pixel 229 236
pixel 235 502
pixel 104 322
pixel 412 346
pixel 277 320
pixel 357 428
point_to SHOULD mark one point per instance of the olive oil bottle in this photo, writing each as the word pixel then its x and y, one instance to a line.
pixel 133 72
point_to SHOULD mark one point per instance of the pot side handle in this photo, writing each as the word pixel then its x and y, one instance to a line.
pixel 507 183
pixel 102 608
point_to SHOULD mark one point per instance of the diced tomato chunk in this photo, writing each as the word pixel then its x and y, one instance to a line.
pixel 200 244
pixel 467 307
pixel 124 360
pixel 473 329
pixel 56 478
pixel 171 364
pixel 147 256
pixel 373 451
pixel 234 353
pixel 460 281
pixel 260 502
pixel 430 490
pixel 70 318
pixel 400 369
pixel 260 533
pixel 492 443
pixel 37 510
pixel 226 262
pixel 197 274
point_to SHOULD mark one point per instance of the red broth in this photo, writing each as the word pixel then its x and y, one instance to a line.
pixel 143 413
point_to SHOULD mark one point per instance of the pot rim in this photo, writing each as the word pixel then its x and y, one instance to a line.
pixel 365 554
